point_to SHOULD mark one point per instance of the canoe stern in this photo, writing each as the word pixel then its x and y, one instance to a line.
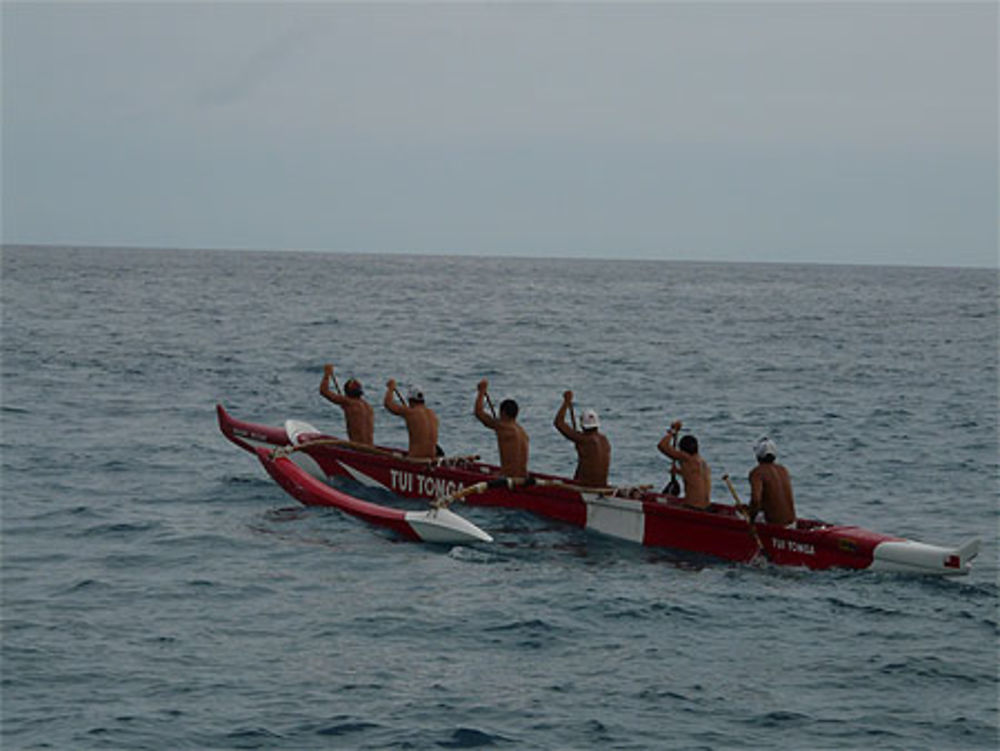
pixel 909 557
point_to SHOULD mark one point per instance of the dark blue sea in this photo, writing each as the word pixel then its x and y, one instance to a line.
pixel 159 591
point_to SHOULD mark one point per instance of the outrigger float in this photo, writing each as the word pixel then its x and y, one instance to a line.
pixel 302 460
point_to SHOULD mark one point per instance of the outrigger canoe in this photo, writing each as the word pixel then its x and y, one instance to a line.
pixel 303 460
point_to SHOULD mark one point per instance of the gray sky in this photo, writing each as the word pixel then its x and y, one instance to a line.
pixel 829 132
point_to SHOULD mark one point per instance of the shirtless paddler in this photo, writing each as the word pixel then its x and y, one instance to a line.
pixel 512 440
pixel 593 450
pixel 694 470
pixel 358 413
pixel 770 486
pixel 421 422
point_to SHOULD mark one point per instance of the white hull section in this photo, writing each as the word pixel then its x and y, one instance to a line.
pixel 616 517
pixel 298 430
pixel 444 526
pixel 909 557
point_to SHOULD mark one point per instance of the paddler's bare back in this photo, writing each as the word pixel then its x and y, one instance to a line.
pixel 697 481
pixel 358 414
pixel 771 489
pixel 422 425
pixel 512 439
pixel 593 449
pixel 694 469
pixel 421 422
pixel 512 442
pixel 360 419
pixel 594 460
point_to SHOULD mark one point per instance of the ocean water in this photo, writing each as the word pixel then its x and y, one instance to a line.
pixel 160 592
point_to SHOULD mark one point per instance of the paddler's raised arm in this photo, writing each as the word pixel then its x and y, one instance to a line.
pixel 389 401
pixel 324 387
pixel 560 418
pixel 481 414
pixel 666 444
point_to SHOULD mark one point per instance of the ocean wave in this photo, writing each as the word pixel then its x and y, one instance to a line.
pixel 347 728
pixel 465 737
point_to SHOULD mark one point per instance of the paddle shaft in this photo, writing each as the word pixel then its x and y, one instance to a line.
pixel 673 487
pixel 489 403
pixel 746 514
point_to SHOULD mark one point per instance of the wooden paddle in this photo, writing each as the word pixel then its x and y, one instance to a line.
pixel 740 507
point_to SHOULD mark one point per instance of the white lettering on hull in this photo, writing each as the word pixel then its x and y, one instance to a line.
pixel 401 482
pixel 802 548
pixel 409 483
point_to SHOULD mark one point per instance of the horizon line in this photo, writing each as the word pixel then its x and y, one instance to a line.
pixel 470 254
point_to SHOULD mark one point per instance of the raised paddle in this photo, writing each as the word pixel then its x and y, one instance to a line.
pixel 328 372
pixel 673 487
pixel 489 402
pixel 741 508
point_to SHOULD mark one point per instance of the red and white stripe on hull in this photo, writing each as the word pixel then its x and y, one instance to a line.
pixel 432 525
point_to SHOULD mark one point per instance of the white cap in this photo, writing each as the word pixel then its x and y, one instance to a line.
pixel 588 419
pixel 765 446
pixel 415 393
